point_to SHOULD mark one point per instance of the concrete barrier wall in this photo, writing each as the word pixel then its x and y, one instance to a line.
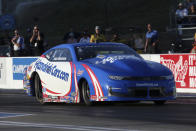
pixel 12 71
pixel 183 67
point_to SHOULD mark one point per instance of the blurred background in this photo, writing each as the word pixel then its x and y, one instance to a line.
pixel 56 17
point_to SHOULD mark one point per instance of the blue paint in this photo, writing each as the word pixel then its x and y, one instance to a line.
pixel 7 22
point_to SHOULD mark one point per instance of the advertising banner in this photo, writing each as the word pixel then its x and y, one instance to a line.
pixel 183 67
pixel 19 64
pixel 2 71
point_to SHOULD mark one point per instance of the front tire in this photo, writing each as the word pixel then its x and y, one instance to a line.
pixel 86 93
pixel 38 89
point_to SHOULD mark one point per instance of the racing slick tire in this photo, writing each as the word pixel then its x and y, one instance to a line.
pixel 38 89
pixel 161 102
pixel 86 93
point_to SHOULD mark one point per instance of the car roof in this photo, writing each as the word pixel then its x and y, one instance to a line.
pixel 85 44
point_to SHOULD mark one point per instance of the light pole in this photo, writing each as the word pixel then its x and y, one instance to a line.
pixel 1 7
pixel 106 13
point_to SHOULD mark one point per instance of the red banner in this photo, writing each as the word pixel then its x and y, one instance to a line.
pixel 183 68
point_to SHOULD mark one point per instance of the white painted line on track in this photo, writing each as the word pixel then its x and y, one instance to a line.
pixel 66 127
pixel 8 115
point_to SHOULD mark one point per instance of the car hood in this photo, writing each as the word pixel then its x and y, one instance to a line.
pixel 126 65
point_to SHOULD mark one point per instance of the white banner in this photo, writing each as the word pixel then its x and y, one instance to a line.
pixel 3 73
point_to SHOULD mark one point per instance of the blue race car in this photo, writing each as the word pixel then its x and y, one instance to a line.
pixel 86 73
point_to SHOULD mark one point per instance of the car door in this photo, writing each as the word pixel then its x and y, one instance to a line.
pixel 57 80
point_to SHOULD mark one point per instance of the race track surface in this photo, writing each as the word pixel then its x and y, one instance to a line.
pixel 19 112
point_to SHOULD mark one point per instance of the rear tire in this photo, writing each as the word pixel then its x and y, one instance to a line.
pixel 161 102
pixel 86 93
pixel 38 89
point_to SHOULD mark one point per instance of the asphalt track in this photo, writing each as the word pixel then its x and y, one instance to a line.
pixel 19 112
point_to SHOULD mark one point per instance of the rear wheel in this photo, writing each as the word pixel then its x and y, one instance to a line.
pixel 38 89
pixel 86 93
pixel 162 102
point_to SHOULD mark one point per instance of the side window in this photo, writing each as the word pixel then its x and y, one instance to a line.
pixel 49 54
pixel 61 55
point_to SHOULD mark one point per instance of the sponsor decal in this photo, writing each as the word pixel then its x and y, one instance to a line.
pixel 64 98
pixel 51 70
pixel 183 68
pixel 80 72
pixel 73 94
pixel 93 97
pixel 51 93
pixel 112 59
pixel 19 65
pixel 100 56
pixel 29 68
pixel 52 97
pixel 71 65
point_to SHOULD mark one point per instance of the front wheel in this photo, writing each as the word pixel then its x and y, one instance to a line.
pixel 38 89
pixel 86 93
pixel 161 102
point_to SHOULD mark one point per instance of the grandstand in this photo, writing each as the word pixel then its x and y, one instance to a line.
pixel 185 30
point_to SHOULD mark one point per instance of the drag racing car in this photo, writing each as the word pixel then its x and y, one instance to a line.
pixel 86 73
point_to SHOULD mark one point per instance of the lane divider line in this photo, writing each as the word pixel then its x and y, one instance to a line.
pixel 72 127
pixel 8 115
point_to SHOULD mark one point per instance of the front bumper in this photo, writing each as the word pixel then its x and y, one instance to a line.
pixel 141 93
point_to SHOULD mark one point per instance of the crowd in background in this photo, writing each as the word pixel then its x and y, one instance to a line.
pixel 186 13
pixel 186 17
pixel 148 44
pixel 34 44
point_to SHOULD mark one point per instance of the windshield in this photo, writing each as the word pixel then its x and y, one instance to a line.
pixel 87 52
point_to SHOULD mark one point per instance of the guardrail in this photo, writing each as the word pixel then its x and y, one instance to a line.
pixel 183 67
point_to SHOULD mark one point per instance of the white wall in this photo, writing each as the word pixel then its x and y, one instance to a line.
pixel 7 82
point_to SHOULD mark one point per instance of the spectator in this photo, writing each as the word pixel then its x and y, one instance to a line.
pixel 71 38
pixel 138 43
pixel 18 43
pixel 192 19
pixel 37 41
pixel 116 38
pixel 181 14
pixel 193 50
pixel 67 35
pixel 192 10
pixel 188 4
pixel 130 41
pixel 151 40
pixel 85 38
pixel 97 37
